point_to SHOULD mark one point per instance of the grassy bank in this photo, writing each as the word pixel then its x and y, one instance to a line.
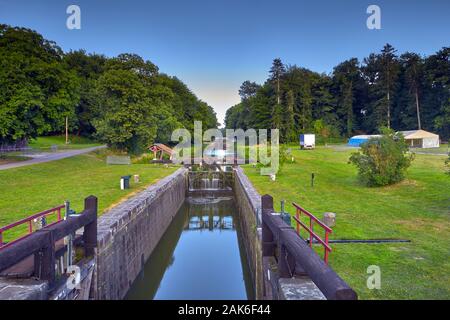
pixel 416 209
pixel 32 189
pixel 75 142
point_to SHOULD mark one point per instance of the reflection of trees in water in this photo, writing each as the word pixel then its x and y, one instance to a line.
pixel 210 223
pixel 214 215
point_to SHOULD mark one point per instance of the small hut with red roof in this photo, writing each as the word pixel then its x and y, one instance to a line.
pixel 161 149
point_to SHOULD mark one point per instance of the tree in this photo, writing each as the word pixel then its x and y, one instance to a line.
pixel 381 73
pixel 128 121
pixel 436 102
pixel 276 73
pixel 42 86
pixel 383 160
pixel 248 89
pixel 356 99
pixel 388 76
pixel 289 133
pixel 413 69
pixel 89 67
pixel 347 77
pixel 38 91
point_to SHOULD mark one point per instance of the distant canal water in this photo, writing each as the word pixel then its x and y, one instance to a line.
pixel 200 256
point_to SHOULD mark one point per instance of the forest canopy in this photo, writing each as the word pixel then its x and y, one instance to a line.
pixel 123 101
pixel 402 92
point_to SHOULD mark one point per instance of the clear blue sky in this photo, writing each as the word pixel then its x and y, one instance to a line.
pixel 214 45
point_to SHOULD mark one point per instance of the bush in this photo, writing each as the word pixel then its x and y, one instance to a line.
pixel 384 160
pixel 447 164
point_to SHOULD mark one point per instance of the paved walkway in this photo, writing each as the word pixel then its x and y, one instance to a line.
pixel 49 157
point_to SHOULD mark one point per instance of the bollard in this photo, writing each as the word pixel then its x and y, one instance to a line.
pixel 329 218
pixel 125 182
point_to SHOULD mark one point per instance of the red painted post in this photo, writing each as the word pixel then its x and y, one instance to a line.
pixel 297 215
pixel 1 239
pixel 310 229
pixel 325 248
pixel 30 226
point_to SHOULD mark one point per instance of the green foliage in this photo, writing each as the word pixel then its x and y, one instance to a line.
pixel 38 91
pixel 447 164
pixel 124 101
pixel 357 98
pixel 382 161
pixel 127 112
pixel 285 157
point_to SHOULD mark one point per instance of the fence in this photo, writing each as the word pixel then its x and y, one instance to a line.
pixel 295 257
pixel 312 235
pixel 41 243
pixel 29 220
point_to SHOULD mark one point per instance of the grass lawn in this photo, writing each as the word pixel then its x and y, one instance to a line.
pixel 417 209
pixel 443 149
pixel 75 142
pixel 28 190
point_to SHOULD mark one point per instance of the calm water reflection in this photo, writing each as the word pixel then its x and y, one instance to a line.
pixel 199 257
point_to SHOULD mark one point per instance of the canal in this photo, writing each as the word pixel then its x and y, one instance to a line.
pixel 200 256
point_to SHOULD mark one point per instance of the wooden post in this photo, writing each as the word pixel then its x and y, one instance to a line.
pixel 44 259
pixel 90 230
pixel 325 278
pixel 286 263
pixel 268 244
pixel 67 130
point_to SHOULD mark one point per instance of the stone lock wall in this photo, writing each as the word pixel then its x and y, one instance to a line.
pixel 128 233
pixel 248 202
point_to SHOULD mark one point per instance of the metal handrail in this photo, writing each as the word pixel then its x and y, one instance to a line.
pixel 312 235
pixel 29 220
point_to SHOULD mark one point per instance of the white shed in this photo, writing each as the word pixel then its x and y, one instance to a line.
pixel 421 139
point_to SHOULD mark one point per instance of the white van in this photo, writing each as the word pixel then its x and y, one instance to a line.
pixel 307 141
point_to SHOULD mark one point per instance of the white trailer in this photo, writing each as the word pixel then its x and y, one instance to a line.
pixel 307 141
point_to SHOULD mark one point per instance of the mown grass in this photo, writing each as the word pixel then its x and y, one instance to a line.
pixel 443 149
pixel 28 190
pixel 75 142
pixel 417 209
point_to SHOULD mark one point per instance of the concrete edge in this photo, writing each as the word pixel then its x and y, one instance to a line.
pixel 120 215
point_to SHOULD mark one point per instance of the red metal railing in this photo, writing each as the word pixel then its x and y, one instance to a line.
pixel 29 221
pixel 310 229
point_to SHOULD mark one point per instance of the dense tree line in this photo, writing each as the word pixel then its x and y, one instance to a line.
pixel 124 101
pixel 402 92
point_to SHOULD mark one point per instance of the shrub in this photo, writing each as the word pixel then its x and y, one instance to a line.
pixel 384 160
pixel 447 164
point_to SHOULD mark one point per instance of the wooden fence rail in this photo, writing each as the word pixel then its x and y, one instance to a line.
pixel 41 243
pixel 294 256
